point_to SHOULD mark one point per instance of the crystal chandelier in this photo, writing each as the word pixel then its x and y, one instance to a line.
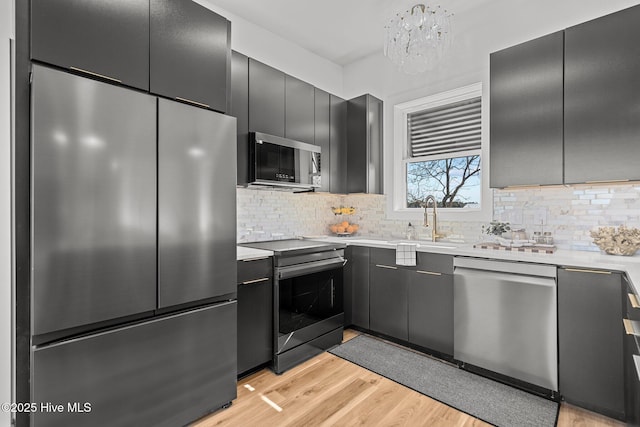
pixel 417 38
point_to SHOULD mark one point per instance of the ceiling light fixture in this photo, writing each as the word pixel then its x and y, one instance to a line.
pixel 417 38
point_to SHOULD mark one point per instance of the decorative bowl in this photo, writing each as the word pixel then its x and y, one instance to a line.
pixel 621 251
pixel 621 241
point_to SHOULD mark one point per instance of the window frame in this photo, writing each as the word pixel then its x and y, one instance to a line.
pixel 401 156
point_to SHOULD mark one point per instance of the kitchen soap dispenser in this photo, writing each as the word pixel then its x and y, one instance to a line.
pixel 411 232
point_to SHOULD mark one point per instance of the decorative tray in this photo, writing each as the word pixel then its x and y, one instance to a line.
pixel 536 249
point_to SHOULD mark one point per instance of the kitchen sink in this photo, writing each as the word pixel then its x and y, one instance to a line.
pixel 425 243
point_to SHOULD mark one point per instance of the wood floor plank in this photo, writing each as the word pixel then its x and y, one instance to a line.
pixel 329 391
pixel 349 334
pixel 317 414
pixel 343 413
pixel 386 397
pixel 572 416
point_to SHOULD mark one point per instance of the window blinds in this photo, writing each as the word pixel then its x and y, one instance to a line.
pixel 446 129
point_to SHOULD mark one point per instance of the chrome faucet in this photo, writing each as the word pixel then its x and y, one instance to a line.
pixel 434 232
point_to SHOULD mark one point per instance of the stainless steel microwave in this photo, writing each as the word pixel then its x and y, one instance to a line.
pixel 285 163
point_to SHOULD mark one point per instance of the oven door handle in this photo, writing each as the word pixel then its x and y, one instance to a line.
pixel 311 267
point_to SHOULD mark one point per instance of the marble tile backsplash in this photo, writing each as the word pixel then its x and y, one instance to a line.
pixel 569 213
pixel 273 215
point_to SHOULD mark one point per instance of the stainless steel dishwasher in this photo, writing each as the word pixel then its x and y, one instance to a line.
pixel 505 319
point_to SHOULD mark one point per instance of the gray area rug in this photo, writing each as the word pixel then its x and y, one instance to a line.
pixel 480 397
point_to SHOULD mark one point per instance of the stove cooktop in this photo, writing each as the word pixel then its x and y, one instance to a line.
pixel 291 246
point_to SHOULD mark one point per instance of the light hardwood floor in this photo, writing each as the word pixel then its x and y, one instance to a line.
pixel 329 391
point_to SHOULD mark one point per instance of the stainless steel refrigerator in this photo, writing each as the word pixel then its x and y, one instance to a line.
pixel 133 287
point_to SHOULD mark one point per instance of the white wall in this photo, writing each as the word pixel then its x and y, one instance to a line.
pixel 265 46
pixel 489 27
pixel 6 32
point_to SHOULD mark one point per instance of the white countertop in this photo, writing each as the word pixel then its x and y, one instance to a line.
pixel 583 259
pixel 244 253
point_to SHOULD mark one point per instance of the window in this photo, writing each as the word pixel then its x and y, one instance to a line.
pixel 443 155
pixel 438 151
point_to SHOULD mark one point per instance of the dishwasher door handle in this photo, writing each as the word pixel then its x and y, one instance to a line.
pixel 501 276
pixel 526 269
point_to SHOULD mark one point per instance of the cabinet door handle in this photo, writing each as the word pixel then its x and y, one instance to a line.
pixel 386 266
pixel 189 101
pixel 248 282
pixel 580 270
pixel 523 186
pixel 91 73
pixel 607 181
pixel 432 273
pixel 634 301
pixel 628 327
pixel 255 259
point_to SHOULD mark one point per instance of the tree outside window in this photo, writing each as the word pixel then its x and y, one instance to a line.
pixel 455 182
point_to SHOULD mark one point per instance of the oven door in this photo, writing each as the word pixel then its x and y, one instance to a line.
pixel 309 300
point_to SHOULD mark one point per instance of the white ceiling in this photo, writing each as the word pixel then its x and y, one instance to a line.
pixel 341 31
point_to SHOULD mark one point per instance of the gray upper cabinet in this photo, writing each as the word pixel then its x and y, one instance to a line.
pixel 266 99
pixel 364 148
pixel 564 107
pixel 299 110
pixel 240 110
pixel 282 105
pixel 107 38
pixel 602 106
pixel 338 145
pixel 190 53
pixel 526 125
pixel 322 130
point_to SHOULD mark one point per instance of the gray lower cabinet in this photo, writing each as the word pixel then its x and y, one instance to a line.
pixel 107 38
pixel 631 358
pixel 255 313
pixel 357 287
pixel 632 380
pixel 413 304
pixel 164 372
pixel 590 340
pixel 526 113
pixel 601 84
pixel 430 310
pixel 388 290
